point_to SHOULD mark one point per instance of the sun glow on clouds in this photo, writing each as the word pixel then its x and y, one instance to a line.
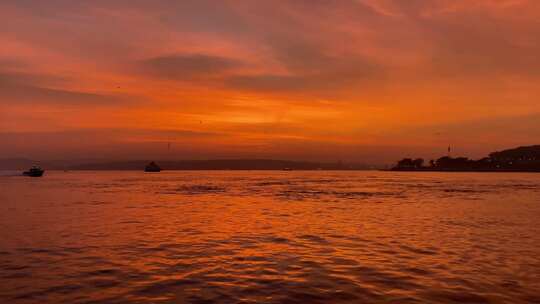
pixel 290 79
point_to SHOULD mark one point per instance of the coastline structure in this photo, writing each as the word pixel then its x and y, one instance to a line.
pixel 521 159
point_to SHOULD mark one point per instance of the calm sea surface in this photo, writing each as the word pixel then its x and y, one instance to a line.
pixel 270 237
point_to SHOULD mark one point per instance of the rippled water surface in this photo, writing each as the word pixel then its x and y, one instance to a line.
pixel 270 237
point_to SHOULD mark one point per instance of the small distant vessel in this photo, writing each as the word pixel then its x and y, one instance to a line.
pixel 287 169
pixel 35 171
pixel 152 167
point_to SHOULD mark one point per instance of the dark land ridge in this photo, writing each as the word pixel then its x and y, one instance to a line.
pixel 521 159
pixel 214 164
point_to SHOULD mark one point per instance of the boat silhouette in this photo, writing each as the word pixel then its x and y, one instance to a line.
pixel 152 167
pixel 35 171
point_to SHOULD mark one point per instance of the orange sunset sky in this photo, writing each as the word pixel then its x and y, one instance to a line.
pixel 364 81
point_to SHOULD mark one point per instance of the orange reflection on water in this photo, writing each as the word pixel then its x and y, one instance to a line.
pixel 272 237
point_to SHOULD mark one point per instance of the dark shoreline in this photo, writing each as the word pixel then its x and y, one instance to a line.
pixel 521 159
pixel 463 170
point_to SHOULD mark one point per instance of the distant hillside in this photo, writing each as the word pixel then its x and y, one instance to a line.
pixel 15 163
pixel 216 164
pixel 221 164
pixel 520 153
pixel 24 163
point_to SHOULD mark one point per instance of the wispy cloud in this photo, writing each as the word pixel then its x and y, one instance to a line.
pixel 187 66
pixel 347 72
